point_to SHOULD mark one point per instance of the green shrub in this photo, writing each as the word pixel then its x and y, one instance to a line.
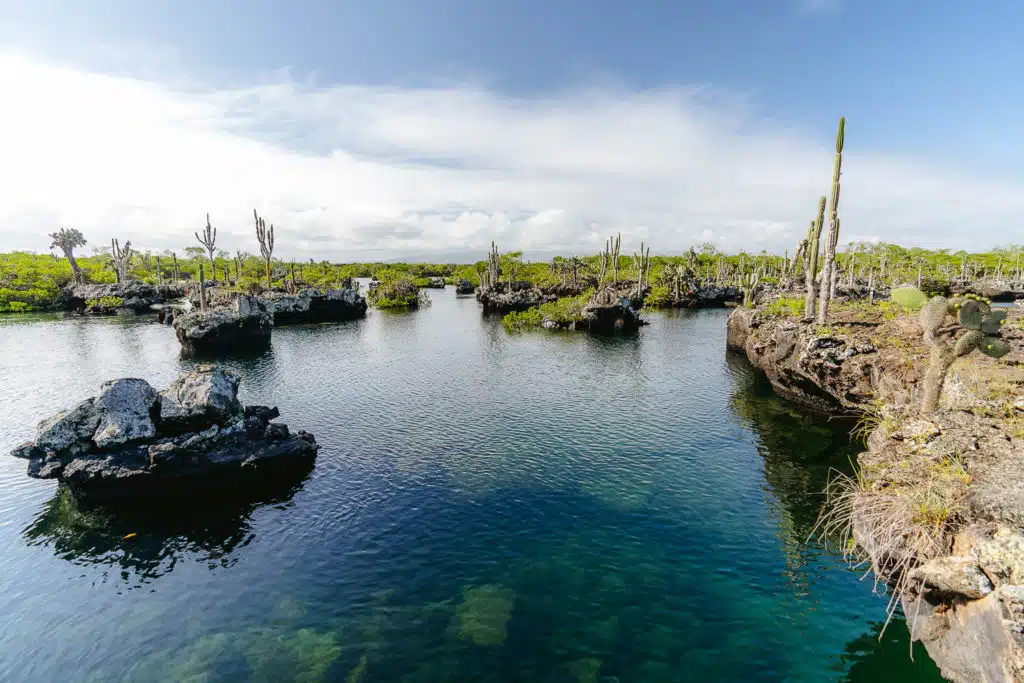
pixel 784 307
pixel 105 302
pixel 659 295
pixel 397 289
pixel 568 309
pixel 517 321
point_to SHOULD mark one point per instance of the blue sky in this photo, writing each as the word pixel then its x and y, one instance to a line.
pixel 547 95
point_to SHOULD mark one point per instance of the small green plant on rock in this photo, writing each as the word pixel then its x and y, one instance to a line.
pixel 973 314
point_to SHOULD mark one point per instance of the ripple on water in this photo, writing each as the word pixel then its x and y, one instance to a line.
pixel 484 507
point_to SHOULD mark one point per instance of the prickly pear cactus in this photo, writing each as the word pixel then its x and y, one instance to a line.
pixel 974 315
pixel 910 298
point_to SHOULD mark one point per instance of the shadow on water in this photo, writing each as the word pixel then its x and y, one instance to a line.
pixel 146 542
pixel 801 450
pixel 873 658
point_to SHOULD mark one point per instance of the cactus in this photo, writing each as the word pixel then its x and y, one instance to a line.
pixel 493 267
pixel 811 262
pixel 642 263
pixel 750 288
pixel 202 289
pixel 265 237
pixel 973 314
pixel 208 240
pixel 829 267
pixel 121 258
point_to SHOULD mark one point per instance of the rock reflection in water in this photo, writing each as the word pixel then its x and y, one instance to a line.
pixel 145 543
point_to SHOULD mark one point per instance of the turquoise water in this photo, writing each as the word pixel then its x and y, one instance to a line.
pixel 485 507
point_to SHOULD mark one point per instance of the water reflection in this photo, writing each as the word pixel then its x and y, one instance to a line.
pixel 870 659
pixel 145 543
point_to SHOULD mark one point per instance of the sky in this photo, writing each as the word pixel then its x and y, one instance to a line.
pixel 426 129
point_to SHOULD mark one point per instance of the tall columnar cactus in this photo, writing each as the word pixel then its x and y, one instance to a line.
pixel 265 236
pixel 750 288
pixel 642 263
pixel 981 326
pixel 67 240
pixel 493 266
pixel 208 239
pixel 121 258
pixel 798 256
pixel 202 289
pixel 833 228
pixel 616 246
pixel 811 261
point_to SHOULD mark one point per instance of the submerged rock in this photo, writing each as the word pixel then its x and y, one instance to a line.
pixel 243 325
pixel 315 306
pixel 109 299
pixel 131 441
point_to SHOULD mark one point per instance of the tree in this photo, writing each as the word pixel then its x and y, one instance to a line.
pixel 67 239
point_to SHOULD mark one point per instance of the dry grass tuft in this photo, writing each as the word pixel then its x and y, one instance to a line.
pixel 889 530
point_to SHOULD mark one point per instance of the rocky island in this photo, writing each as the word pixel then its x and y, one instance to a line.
pixel 131 441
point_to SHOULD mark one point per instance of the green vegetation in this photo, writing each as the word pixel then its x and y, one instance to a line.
pixel 563 311
pixel 395 289
pixel 568 309
pixel 517 321
pixel 784 307
pixel 33 281
pixel 105 302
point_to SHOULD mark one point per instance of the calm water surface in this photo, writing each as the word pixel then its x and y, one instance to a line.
pixel 485 507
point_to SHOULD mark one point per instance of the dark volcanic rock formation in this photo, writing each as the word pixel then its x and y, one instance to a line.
pixel 465 287
pixel 131 441
pixel 121 297
pixel 517 296
pixel 315 306
pixel 612 309
pixel 832 373
pixel 243 325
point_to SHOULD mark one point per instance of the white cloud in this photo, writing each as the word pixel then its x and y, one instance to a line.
pixel 352 173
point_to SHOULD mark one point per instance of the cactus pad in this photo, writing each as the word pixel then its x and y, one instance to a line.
pixel 910 298
pixel 970 315
pixel 933 313
pixel 993 322
pixel 994 347
pixel 967 343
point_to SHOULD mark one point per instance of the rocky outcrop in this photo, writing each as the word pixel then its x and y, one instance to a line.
pixel 611 309
pixel 991 288
pixel 517 296
pixel 703 296
pixel 953 479
pixel 434 283
pixel 937 507
pixel 837 370
pixel 464 286
pixel 243 325
pixel 131 441
pixel 132 297
pixel 315 306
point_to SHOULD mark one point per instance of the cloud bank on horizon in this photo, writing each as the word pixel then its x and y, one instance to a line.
pixel 354 173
